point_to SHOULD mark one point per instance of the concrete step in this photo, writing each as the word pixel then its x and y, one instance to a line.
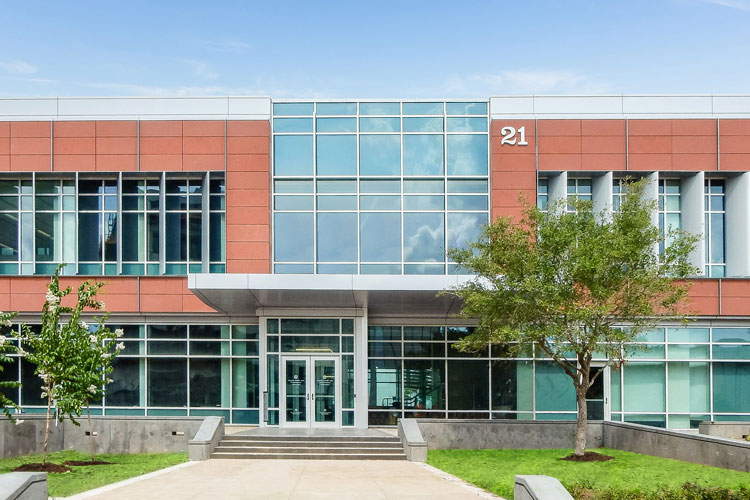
pixel 298 443
pixel 361 439
pixel 310 456
pixel 306 449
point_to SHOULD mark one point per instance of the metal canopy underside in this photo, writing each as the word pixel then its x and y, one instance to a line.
pixel 243 294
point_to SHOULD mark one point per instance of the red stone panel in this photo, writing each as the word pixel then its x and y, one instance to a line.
pixel 30 146
pixel 734 144
pixel 512 169
pixel 735 297
pixel 116 146
pixel 703 297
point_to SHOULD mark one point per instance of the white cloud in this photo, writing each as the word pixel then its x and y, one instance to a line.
pixel 732 4
pixel 201 69
pixel 521 81
pixel 17 67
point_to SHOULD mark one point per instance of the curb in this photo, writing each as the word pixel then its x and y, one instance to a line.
pixel 453 479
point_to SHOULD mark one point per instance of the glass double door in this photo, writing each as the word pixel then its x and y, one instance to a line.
pixel 310 395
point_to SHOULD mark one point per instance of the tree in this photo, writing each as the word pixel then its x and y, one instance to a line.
pixel 572 282
pixel 7 347
pixel 97 348
pixel 59 351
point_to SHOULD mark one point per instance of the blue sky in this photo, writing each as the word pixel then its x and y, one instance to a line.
pixel 407 49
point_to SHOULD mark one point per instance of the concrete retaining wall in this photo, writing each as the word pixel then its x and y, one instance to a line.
pixel 113 434
pixel 730 430
pixel 696 448
pixel 501 434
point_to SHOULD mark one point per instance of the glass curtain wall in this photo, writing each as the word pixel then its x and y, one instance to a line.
pixel 677 378
pixel 670 207
pixel 377 187
pixel 170 370
pixel 171 223
pixel 714 223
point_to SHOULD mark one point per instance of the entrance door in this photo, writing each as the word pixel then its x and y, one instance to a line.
pixel 310 396
pixel 597 397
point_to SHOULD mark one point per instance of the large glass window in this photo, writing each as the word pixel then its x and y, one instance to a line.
pixel 97 226
pixel 55 224
pixel 669 210
pixel 16 226
pixel 714 221
pixel 377 187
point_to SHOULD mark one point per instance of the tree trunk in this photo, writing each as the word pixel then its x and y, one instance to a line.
pixel 46 431
pixel 91 431
pixel 582 420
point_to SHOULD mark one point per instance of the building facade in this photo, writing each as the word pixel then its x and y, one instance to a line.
pixel 276 262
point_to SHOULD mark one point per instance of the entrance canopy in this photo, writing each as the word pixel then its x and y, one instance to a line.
pixel 242 294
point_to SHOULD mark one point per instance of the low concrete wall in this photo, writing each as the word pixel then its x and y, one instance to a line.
pixel 729 430
pixel 206 439
pixel 502 434
pixel 696 448
pixel 113 434
pixel 23 486
pixel 539 488
pixel 410 435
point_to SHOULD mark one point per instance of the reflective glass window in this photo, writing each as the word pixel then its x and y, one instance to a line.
pixel 293 237
pixel 292 108
pixel 379 155
pixel 466 108
pixel 379 108
pixel 424 237
pixel 336 154
pixel 379 125
pixel 292 125
pixel 293 154
pixel 468 385
pixel 467 154
pixel 423 108
pixel 337 237
pixel 380 237
pixel 464 228
pixel 423 154
pixel 336 124
pixel 423 124
pixel 336 108
pixel 466 124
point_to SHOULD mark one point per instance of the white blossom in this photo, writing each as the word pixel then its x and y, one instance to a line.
pixel 52 299
pixel 106 355
pixel 119 333
pixel 18 421
pixel 120 346
pixel 84 325
pixel 6 322
pixel 21 352
pixel 2 339
pixel 101 305
pixel 92 389
pixel 92 338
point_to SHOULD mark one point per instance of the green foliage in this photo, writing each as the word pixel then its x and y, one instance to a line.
pixel 6 348
pixel 688 491
pixel 83 478
pixel 565 281
pixel 72 358
pixel 628 474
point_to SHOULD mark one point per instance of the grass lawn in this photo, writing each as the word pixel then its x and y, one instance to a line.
pixel 493 470
pixel 89 477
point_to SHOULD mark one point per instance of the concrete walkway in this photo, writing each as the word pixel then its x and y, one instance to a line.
pixel 295 480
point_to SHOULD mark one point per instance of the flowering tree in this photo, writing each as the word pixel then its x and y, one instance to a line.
pixel 6 348
pixel 65 352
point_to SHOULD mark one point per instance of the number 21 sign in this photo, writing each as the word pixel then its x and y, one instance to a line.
pixel 509 136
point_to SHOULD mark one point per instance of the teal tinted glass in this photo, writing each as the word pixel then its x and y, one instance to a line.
pixel 423 124
pixel 337 186
pixel 379 108
pixel 292 125
pixel 336 108
pixel 337 237
pixel 423 155
pixel 293 154
pixel 336 125
pixel 292 108
pixel 336 154
pixel 293 202
pixel 687 334
pixel 467 186
pixel 731 351
pixel 423 108
pixel 380 237
pixel 424 202
pixel 380 202
pixel 466 124
pixel 424 186
pixel 467 154
pixel 293 186
pixel 379 155
pixel 337 202
pixel 379 125
pixel 467 203
pixel 466 108
pixel 639 375
pixel 731 381
pixel 464 228
pixel 384 186
pixel 731 334
pixel 293 237
pixel 424 237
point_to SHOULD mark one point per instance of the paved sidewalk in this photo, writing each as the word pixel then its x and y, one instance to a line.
pixel 295 480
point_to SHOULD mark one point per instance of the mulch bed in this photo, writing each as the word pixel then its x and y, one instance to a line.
pixel 589 456
pixel 38 467
pixel 87 462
